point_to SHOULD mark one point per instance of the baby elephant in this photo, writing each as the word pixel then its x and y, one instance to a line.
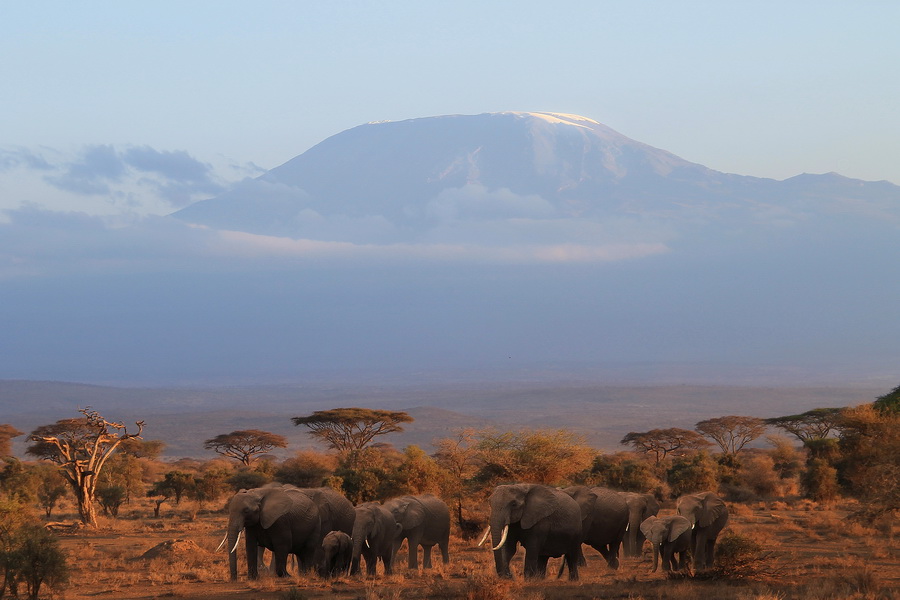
pixel 670 536
pixel 337 550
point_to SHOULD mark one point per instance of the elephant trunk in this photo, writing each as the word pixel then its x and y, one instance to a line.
pixel 231 542
pixel 360 535
pixel 656 557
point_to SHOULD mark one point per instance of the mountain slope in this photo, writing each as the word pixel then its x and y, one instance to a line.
pixel 519 177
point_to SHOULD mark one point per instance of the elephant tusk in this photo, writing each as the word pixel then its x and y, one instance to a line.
pixel 487 532
pixel 237 541
pixel 627 526
pixel 502 538
pixel 367 543
pixel 224 539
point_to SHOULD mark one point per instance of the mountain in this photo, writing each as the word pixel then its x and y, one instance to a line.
pixel 429 179
pixel 520 247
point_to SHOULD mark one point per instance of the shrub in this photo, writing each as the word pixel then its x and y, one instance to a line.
pixel 687 475
pixel 738 557
pixel 37 559
pixel 820 481
pixel 307 469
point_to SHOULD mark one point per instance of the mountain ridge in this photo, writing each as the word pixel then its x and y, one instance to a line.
pixel 433 177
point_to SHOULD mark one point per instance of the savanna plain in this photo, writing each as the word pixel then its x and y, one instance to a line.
pixel 806 551
pixel 812 498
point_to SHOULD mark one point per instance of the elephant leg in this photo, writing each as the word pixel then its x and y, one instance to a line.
pixel 613 559
pixel 371 562
pixel 542 566
pixel 444 545
pixel 708 553
pixel 252 551
pixel 571 560
pixel 281 558
pixel 532 560
pixel 426 556
pixel 413 552
pixel 388 560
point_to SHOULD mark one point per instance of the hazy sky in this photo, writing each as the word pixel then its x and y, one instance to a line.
pixel 175 100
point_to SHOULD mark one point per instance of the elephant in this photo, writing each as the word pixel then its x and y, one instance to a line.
pixel 545 520
pixel 336 513
pixel 374 532
pixel 604 519
pixel 281 520
pixel 640 507
pixel 425 521
pixel 669 535
pixel 337 553
pixel 708 515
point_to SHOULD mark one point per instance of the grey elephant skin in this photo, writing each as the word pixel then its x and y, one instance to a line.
pixel 544 520
pixel 374 532
pixel 640 507
pixel 424 521
pixel 669 536
pixel 337 554
pixel 604 520
pixel 708 515
pixel 282 520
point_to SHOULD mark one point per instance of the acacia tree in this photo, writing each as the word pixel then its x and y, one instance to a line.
pixel 352 429
pixel 663 442
pixel 245 445
pixel 813 425
pixel 81 447
pixel 732 433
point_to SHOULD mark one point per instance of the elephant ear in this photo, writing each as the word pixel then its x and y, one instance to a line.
pixel 410 514
pixel 274 506
pixel 712 508
pixel 677 526
pixel 651 507
pixel 585 497
pixel 647 526
pixel 540 503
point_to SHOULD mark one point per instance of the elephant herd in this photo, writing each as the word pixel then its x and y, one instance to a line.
pixel 326 533
pixel 549 523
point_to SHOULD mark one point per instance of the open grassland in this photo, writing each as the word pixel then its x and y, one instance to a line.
pixel 809 552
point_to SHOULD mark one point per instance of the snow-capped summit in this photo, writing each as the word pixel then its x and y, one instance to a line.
pixel 422 178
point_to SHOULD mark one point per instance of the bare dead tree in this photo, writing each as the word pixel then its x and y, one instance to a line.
pixel 81 447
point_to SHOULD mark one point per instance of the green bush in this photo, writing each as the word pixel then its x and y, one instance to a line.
pixel 37 559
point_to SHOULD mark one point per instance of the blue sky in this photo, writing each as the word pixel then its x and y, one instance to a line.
pixel 771 89
pixel 115 113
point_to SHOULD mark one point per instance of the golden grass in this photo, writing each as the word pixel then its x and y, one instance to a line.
pixel 811 553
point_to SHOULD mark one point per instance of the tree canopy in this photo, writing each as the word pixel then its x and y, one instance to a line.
pixel 732 433
pixel 245 445
pixel 349 429
pixel 815 424
pixel 662 442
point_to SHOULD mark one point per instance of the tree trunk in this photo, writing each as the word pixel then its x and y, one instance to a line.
pixel 84 496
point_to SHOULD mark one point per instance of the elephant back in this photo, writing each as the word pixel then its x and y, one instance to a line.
pixel 337 513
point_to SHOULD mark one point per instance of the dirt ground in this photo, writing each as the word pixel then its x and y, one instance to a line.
pixel 810 552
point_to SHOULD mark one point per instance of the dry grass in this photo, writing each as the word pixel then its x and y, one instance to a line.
pixel 810 552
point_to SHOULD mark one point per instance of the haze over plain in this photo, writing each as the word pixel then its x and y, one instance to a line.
pixel 99 285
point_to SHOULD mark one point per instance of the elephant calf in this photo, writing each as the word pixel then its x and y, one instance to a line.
pixel 670 536
pixel 337 553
